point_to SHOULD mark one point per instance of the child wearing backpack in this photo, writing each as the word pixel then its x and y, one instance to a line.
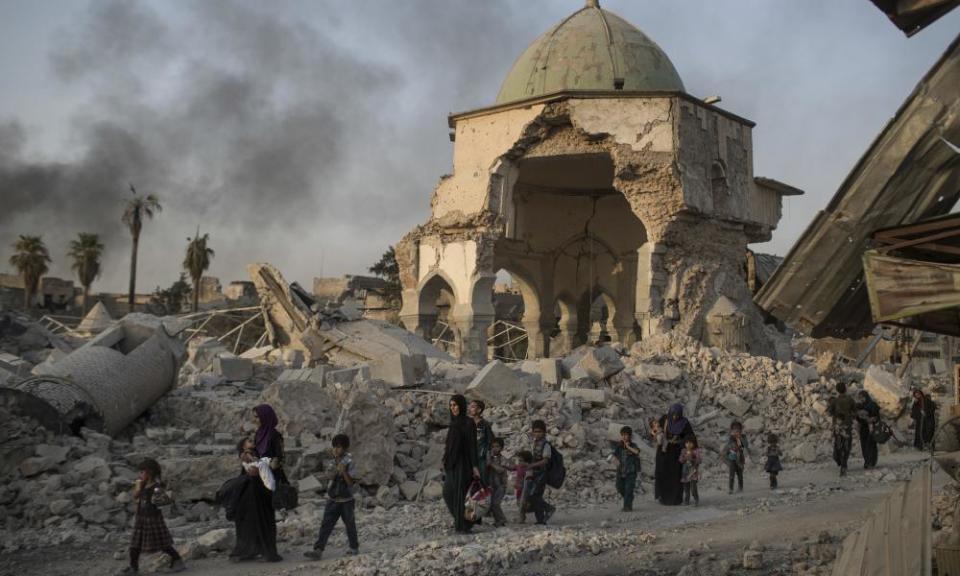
pixel 627 455
pixel 542 452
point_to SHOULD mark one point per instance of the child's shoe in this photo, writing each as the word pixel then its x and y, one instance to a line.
pixel 313 554
pixel 352 551
pixel 177 566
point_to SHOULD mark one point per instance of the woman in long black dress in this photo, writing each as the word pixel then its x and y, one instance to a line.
pixel 924 416
pixel 256 521
pixel 670 471
pixel 868 413
pixel 459 462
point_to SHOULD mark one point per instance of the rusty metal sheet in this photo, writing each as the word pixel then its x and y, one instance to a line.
pixel 899 288
pixel 908 174
pixel 896 538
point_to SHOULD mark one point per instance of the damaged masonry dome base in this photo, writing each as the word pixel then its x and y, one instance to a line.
pixel 596 182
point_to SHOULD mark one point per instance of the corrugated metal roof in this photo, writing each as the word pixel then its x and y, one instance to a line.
pixel 907 174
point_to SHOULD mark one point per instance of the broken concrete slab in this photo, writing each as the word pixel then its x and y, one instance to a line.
pixel 233 368
pixel 309 484
pixel 15 365
pixel 497 384
pixel 257 353
pixel 370 426
pixel 886 390
pixel 803 375
pixel 600 363
pixel 658 372
pixel 301 406
pixel 735 405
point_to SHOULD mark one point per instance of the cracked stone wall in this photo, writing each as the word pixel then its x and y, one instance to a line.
pixel 646 203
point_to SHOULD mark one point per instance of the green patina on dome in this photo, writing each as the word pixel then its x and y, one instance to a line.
pixel 590 50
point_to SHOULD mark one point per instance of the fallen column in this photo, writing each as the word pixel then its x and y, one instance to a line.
pixel 105 384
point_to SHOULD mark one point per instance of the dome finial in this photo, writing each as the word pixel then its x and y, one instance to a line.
pixel 593 3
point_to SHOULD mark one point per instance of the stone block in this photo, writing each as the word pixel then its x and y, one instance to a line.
pixel 201 352
pixel 293 358
pixel 593 396
pixel 61 507
pixel 37 465
pixel 753 560
pixel 497 384
pixel 657 372
pixel 387 496
pixel 220 539
pixel 233 368
pixel 803 375
pixel 433 490
pixel 409 489
pixel 57 453
pixel 600 363
pixel 753 424
pixel 735 405
pixel 398 369
pixel 309 484
pixel 886 390
pixel 94 468
pixel 551 372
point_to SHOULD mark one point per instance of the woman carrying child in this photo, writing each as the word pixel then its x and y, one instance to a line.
pixel 256 521
pixel 676 428
pixel 150 532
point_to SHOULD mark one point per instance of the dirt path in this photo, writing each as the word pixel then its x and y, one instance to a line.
pixel 811 499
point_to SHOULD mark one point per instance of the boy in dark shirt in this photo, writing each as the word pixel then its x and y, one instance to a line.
pixel 340 503
pixel 627 455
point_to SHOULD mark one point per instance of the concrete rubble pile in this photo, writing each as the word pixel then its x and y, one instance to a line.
pixel 75 488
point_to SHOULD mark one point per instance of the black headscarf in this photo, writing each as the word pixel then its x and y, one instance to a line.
pixel 461 445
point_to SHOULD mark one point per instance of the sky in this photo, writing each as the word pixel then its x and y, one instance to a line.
pixel 311 133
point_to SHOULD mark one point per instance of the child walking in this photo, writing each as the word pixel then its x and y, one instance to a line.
pixel 773 466
pixel 690 459
pixel 497 479
pixel 150 532
pixel 340 503
pixel 627 455
pixel 656 434
pixel 736 451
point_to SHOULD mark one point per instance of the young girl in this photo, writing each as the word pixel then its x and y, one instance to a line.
pixel 150 533
pixel 690 459
pixel 656 434
pixel 521 471
pixel 773 466
pixel 736 451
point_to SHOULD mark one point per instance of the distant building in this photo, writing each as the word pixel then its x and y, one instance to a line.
pixel 54 294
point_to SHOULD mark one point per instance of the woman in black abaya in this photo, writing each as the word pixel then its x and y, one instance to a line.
pixel 459 462
pixel 669 470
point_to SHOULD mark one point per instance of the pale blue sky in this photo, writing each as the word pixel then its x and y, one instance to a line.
pixel 362 88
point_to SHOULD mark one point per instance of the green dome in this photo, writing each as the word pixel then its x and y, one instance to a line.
pixel 591 50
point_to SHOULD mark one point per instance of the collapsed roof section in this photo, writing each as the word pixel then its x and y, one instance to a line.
pixel 912 16
pixel 908 174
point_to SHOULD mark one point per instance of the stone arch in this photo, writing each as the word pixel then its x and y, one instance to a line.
pixel 436 299
pixel 595 312
pixel 719 187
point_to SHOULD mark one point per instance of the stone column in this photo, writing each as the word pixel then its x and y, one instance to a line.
pixel 538 337
pixel 472 328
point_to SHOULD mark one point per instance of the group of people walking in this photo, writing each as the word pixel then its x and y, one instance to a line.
pixel 863 411
pixel 473 459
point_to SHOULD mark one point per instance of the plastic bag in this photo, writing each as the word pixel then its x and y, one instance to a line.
pixel 478 501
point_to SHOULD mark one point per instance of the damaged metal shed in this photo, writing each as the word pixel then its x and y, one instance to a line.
pixel 910 173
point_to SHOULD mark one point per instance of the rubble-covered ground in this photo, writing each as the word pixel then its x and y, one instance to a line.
pixel 66 506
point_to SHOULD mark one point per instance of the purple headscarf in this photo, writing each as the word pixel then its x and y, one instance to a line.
pixel 675 426
pixel 267 429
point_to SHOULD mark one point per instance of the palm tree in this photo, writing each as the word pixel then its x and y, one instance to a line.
pixel 30 258
pixel 197 261
pixel 136 209
pixel 86 251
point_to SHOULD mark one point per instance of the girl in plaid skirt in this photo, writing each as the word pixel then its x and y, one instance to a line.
pixel 150 533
